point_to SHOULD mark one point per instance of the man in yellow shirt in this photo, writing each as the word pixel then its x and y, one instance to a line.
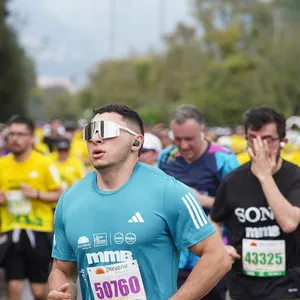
pixel 78 146
pixel 70 168
pixel 29 183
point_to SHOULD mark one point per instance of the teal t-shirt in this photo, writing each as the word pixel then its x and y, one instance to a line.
pixel 150 219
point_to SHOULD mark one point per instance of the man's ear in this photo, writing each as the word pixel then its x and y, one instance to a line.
pixel 138 143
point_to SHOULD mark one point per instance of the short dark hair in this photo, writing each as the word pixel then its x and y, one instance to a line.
pixel 126 112
pixel 257 117
pixel 187 111
pixel 16 119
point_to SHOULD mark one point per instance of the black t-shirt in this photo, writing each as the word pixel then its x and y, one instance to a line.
pixel 241 205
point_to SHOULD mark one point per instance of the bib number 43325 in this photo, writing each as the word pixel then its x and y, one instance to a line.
pixel 264 258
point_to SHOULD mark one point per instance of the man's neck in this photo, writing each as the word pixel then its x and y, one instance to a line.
pixel 23 156
pixel 62 158
pixel 278 166
pixel 113 178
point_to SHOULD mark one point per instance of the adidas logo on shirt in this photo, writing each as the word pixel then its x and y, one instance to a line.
pixel 136 218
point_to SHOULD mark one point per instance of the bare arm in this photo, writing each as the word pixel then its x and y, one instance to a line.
pixel 62 273
pixel 208 271
pixel 264 164
pixel 287 215
pixel 50 196
pixel 205 201
pixel 218 226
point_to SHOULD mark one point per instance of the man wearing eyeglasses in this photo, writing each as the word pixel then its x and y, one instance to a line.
pixel 122 227
pixel 259 202
pixel 29 184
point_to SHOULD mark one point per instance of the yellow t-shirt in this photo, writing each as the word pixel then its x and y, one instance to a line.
pixel 71 171
pixel 79 149
pixel 78 134
pixel 42 148
pixel 40 173
pixel 295 157
pixel 238 144
pixel 243 157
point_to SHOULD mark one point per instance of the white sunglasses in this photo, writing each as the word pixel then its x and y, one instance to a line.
pixel 104 129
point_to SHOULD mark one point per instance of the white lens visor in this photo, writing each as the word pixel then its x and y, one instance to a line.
pixel 103 129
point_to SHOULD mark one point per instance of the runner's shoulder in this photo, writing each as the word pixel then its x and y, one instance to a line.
pixel 6 159
pixel 216 148
pixel 291 168
pixel 166 155
pixel 38 156
pixel 239 172
pixel 153 173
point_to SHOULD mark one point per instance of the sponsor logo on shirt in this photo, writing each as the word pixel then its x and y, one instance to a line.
pixel 84 243
pixel 33 174
pixel 254 215
pixel 136 218
pixel 130 238
pixel 100 239
pixel 108 256
pixel 119 238
pixel 82 273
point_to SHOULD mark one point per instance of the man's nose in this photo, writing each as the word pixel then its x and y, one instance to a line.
pixel 96 139
pixel 184 145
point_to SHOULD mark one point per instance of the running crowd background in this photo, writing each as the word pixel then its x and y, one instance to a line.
pixel 62 144
pixel 48 135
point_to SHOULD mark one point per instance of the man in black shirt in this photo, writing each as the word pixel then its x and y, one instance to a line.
pixel 259 202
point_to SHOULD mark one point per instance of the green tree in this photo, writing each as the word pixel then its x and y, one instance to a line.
pixel 17 75
pixel 245 54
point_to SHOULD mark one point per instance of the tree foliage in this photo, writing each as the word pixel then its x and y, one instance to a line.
pixel 240 54
pixel 17 73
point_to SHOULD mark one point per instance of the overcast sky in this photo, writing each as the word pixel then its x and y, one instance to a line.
pixel 67 37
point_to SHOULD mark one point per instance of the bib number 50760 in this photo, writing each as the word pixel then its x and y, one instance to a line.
pixel 116 288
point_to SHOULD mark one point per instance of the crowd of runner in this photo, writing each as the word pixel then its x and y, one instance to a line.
pixel 245 179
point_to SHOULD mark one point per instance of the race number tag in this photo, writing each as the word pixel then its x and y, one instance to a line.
pixel 263 258
pixel 17 203
pixel 117 281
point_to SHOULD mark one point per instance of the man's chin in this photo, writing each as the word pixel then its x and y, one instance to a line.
pixel 188 157
pixel 102 166
pixel 16 151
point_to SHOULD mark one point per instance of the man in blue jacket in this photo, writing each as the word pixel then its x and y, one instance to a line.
pixel 200 165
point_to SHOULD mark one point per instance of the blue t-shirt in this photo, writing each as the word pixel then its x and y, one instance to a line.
pixel 204 175
pixel 152 217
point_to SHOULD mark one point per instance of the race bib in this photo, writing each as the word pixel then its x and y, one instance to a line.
pixel 264 258
pixel 17 203
pixel 117 281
